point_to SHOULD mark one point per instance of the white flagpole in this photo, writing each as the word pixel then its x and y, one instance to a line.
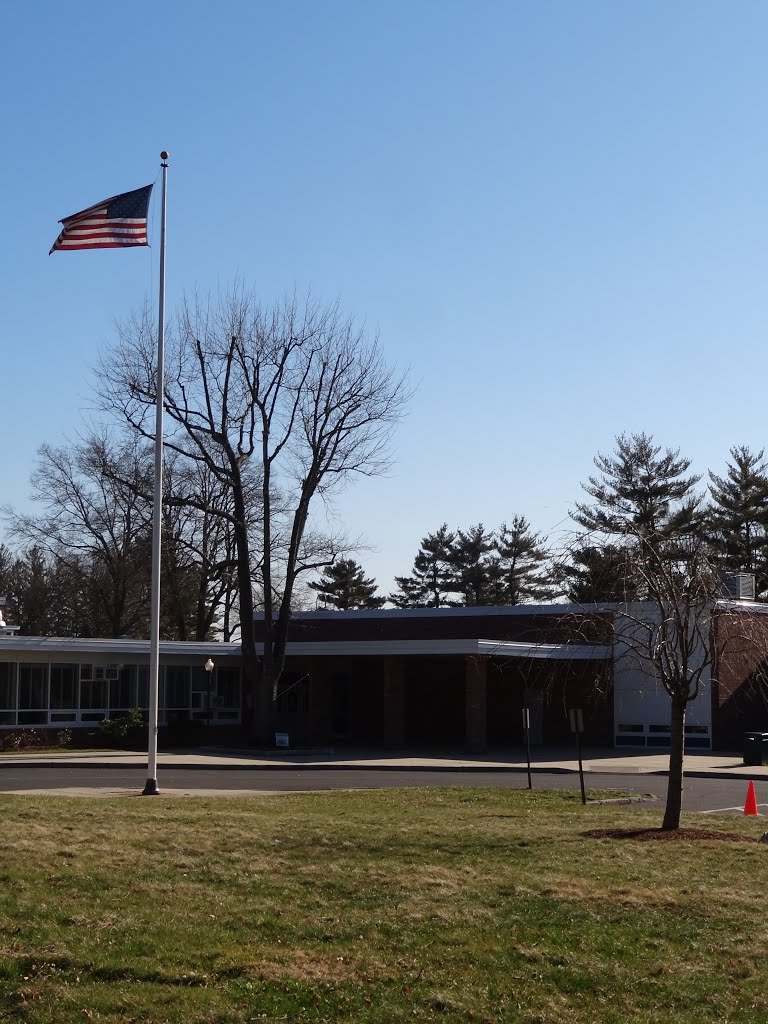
pixel 150 788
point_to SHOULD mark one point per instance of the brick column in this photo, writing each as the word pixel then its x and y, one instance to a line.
pixel 475 703
pixel 319 704
pixel 394 702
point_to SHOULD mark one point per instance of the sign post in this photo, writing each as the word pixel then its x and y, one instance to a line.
pixel 527 732
pixel 576 718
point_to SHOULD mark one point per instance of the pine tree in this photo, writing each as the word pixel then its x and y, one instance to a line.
pixel 644 504
pixel 32 593
pixel 6 581
pixel 597 573
pixel 344 585
pixel 641 491
pixel 433 577
pixel 738 522
pixel 472 563
pixel 522 556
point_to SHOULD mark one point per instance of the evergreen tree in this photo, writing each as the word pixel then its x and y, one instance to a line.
pixel 520 565
pixel 646 506
pixel 6 582
pixel 433 577
pixel 597 573
pixel 32 594
pixel 739 515
pixel 472 564
pixel 642 491
pixel 344 585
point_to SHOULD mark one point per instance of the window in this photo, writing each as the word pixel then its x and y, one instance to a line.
pixel 228 687
pixel 7 693
pixel 142 686
pixel 93 690
pixel 63 687
pixel 176 686
pixel 7 685
pixel 33 694
pixel 122 691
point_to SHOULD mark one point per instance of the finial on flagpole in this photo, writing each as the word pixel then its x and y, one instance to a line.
pixel 164 155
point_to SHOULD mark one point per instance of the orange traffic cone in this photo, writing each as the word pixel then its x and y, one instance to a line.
pixel 750 804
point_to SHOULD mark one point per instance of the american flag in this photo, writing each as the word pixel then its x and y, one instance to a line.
pixel 112 223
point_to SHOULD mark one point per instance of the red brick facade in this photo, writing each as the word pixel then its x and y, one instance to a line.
pixel 459 700
pixel 740 675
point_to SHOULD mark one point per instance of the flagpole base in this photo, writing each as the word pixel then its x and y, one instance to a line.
pixel 150 788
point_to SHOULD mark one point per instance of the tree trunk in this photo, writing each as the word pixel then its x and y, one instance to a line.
pixel 257 711
pixel 676 752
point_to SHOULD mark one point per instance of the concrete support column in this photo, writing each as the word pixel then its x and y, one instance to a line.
pixel 476 703
pixel 394 702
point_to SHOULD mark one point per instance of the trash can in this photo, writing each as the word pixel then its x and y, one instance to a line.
pixel 755 747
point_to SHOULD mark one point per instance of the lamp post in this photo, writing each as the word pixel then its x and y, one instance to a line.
pixel 209 669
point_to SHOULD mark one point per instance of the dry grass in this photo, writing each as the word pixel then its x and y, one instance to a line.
pixel 418 905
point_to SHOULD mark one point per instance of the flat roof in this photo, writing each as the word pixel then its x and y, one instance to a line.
pixel 462 612
pixel 107 647
pixel 50 646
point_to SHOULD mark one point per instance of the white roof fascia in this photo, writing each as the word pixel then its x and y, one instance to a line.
pixel 489 648
pixel 106 649
pixel 742 606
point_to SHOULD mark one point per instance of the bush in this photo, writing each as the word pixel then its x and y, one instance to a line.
pixel 31 739
pixel 23 739
pixel 125 728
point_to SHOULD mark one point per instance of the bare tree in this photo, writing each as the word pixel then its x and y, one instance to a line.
pixel 662 572
pixel 199 561
pixel 94 526
pixel 669 635
pixel 298 390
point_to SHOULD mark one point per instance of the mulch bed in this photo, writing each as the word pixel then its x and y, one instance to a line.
pixel 673 835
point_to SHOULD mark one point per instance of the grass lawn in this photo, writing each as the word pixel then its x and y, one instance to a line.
pixel 394 905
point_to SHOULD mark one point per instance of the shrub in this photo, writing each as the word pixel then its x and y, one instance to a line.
pixel 23 739
pixel 30 739
pixel 114 729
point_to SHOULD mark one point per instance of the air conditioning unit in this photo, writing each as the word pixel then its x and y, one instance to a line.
pixel 740 585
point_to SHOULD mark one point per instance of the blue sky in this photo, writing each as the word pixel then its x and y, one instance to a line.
pixel 555 213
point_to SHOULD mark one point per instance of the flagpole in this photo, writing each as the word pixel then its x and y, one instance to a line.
pixel 150 788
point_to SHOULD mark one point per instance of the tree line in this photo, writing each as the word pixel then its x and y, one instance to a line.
pixel 270 411
pixel 637 487
pixel 81 564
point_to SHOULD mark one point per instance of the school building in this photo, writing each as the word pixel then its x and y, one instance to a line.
pixel 450 677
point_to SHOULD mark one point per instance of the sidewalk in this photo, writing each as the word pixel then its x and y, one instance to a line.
pixel 605 761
